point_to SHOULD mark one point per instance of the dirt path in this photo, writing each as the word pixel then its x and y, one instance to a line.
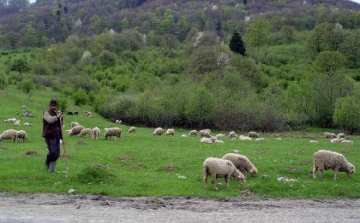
pixel 47 208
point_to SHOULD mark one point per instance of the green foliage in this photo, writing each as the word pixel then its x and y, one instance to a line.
pixel 80 97
pixel 95 175
pixel 107 59
pixel 329 62
pixel 237 44
pixel 19 65
pixel 62 102
pixel 3 82
pixel 257 33
pixel 347 114
pixel 26 85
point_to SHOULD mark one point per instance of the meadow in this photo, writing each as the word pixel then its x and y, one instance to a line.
pixel 141 164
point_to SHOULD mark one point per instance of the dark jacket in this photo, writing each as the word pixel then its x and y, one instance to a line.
pixel 51 125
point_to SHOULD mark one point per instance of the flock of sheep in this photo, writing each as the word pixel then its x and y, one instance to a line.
pixel 230 165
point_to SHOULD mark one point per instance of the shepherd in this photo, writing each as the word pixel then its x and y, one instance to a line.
pixel 52 132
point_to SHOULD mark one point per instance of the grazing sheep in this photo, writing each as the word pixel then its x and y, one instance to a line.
pixel 313 141
pixel 8 134
pixel 219 141
pixel 158 131
pixel 21 134
pixel 204 133
pixel 10 120
pixel 27 124
pixel 75 130
pixel 278 138
pixel 329 135
pixel 118 122
pixel 85 131
pixel 193 133
pixel 73 124
pixel 220 135
pixel 217 168
pixel 260 139
pixel 325 160
pixel 347 141
pixel 96 133
pixel 253 134
pixel 245 138
pixel 132 129
pixel 232 135
pixel 17 123
pixel 115 131
pixel 336 140
pixel 88 114
pixel 183 136
pixel 212 139
pixel 23 107
pixel 241 162
pixel 340 135
pixel 170 132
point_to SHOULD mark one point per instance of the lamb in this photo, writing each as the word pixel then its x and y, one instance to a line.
pixel 325 160
pixel 244 138
pixel 204 133
pixel 329 135
pixel 8 134
pixel 232 135
pixel 158 131
pixel 241 162
pixel 132 129
pixel 21 134
pixel 253 134
pixel 73 124
pixel 75 130
pixel 96 133
pixel 85 131
pixel 115 131
pixel 216 168
pixel 193 133
pixel 170 132
pixel 27 124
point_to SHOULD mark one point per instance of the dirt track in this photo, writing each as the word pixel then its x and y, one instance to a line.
pixel 87 208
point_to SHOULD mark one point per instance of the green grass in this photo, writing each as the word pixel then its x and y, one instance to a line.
pixel 141 164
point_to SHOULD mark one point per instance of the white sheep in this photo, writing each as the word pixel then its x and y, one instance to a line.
pixel 329 135
pixel 27 124
pixel 183 136
pixel 325 160
pixel 73 124
pixel 217 168
pixel 336 140
pixel 23 107
pixel 260 139
pixel 244 138
pixel 17 123
pixel 232 135
pixel 347 141
pixel 95 133
pixel 158 131
pixel 253 134
pixel 313 141
pixel 193 133
pixel 114 131
pixel 212 139
pixel 170 132
pixel 75 130
pixel 118 122
pixel 220 135
pixel 205 133
pixel 10 120
pixel 21 134
pixel 85 131
pixel 8 134
pixel 241 162
pixel 340 135
pixel 132 129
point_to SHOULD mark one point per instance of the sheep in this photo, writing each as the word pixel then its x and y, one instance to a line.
pixel 329 135
pixel 220 135
pixel 183 136
pixel 336 140
pixel 96 133
pixel 21 134
pixel 216 168
pixel 170 132
pixel 27 124
pixel 208 140
pixel 8 134
pixel 88 114
pixel 242 163
pixel 313 141
pixel 118 122
pixel 17 123
pixel 115 131
pixel 347 141
pixel 204 133
pixel 260 139
pixel 73 124
pixel 219 141
pixel 75 130
pixel 232 135
pixel 85 131
pixel 10 120
pixel 253 134
pixel 340 135
pixel 193 133
pixel 23 107
pixel 158 131
pixel 244 138
pixel 132 129
pixel 325 160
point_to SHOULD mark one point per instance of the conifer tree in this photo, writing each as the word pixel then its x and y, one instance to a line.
pixel 237 44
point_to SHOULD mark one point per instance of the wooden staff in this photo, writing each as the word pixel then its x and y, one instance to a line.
pixel 64 148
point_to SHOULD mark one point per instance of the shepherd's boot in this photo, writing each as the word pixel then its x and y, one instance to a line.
pixel 52 166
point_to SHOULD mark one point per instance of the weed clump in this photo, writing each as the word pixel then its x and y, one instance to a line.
pixel 95 174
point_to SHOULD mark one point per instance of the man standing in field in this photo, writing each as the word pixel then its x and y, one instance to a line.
pixel 52 124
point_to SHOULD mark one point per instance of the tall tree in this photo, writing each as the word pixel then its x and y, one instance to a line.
pixel 257 33
pixel 237 44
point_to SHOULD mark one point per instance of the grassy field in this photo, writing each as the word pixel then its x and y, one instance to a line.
pixel 141 164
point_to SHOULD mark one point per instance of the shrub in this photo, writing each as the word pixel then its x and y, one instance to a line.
pixel 94 174
pixel 26 85
pixel 80 97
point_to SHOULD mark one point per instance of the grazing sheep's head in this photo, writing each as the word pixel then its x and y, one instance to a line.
pixel 239 177
pixel 253 171
pixel 351 170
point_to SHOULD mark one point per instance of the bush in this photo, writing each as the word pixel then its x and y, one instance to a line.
pixel 94 174
pixel 2 82
pixel 26 85
pixel 80 97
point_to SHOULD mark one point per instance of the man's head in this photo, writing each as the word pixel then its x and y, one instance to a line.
pixel 53 104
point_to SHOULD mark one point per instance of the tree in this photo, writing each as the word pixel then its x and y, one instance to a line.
pixel 26 85
pixel 288 33
pixel 20 65
pixel 350 48
pixel 257 33
pixel 107 59
pixel 237 44
pixel 347 114
pixel 329 62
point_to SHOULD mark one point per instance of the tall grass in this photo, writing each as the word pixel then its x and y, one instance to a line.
pixel 141 164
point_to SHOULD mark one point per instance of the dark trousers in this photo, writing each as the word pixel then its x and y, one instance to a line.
pixel 54 149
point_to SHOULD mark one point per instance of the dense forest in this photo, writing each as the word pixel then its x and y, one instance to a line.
pixel 231 65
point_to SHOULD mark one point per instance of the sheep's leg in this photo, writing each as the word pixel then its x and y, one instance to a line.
pixel 321 173
pixel 314 172
pixel 205 175
pixel 213 181
pixel 336 170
